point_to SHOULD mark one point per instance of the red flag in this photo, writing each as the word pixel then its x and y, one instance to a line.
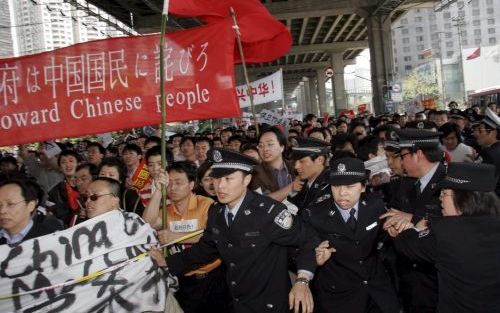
pixel 475 54
pixel 264 38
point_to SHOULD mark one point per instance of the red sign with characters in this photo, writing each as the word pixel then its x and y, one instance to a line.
pixel 111 84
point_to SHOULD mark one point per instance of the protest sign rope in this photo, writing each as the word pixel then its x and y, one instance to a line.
pixel 96 274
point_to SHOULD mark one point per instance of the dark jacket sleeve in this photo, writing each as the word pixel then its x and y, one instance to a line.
pixel 417 246
pixel 299 234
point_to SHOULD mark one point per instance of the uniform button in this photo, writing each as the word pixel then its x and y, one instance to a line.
pixel 232 264
pixel 414 265
pixel 233 283
pixel 365 282
pixel 269 306
pixel 360 261
pixel 237 299
pixel 333 286
pixel 252 245
pixel 229 245
pixel 357 243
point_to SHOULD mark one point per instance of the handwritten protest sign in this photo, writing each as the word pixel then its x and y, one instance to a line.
pixel 267 89
pixel 99 243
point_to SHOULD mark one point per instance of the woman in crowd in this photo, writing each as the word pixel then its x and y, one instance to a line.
pixel 451 139
pixel 129 200
pixel 204 182
pixel 464 243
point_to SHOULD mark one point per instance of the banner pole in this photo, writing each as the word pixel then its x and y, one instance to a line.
pixel 247 81
pixel 163 145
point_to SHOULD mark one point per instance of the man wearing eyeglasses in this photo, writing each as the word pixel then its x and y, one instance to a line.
pixel 103 196
pixel 420 155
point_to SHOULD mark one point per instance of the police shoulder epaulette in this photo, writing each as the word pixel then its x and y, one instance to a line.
pixel 323 198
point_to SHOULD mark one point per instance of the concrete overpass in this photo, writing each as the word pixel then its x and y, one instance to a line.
pixel 326 33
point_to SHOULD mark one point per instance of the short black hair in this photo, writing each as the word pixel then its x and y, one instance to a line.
pixel 156 150
pixel 279 135
pixel 102 150
pixel 189 168
pixel 366 146
pixel 186 138
pixel 154 139
pixel 8 159
pixel 132 147
pixel 202 139
pixel 68 152
pixel 448 128
pixel 116 163
pixel 113 184
pixel 236 138
pixel 92 168
pixel 340 140
pixel 30 190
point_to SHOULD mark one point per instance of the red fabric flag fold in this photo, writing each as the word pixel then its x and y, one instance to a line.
pixel 475 54
pixel 264 38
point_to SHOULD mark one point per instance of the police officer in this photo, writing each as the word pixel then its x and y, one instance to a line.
pixel 421 157
pixel 250 233
pixel 352 279
pixel 487 135
pixel 463 245
pixel 310 158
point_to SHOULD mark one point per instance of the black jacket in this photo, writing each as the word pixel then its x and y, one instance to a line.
pixel 254 252
pixel 41 227
pixel 307 194
pixel 61 208
pixel 354 276
pixel 491 155
pixel 466 253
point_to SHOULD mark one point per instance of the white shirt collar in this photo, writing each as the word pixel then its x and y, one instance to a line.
pixel 17 237
pixel 236 208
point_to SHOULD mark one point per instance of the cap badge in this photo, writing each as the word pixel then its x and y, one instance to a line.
pixel 420 125
pixel 341 167
pixel 393 135
pixel 217 156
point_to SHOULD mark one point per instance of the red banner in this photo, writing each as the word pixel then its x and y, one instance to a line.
pixel 112 84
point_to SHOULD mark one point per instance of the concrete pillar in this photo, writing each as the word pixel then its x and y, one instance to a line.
pixel 338 85
pixel 301 99
pixel 307 93
pixel 313 93
pixel 320 78
pixel 380 44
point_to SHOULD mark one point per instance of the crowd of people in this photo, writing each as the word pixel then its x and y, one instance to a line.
pixel 390 213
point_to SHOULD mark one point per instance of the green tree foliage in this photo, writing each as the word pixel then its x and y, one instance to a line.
pixel 420 86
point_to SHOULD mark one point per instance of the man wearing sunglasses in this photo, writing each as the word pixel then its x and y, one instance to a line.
pixel 103 196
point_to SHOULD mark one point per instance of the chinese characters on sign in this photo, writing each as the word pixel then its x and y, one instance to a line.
pixel 267 89
pixel 111 84
pixel 271 118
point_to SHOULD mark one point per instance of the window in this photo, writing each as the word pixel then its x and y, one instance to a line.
pixel 492 40
pixel 420 38
pixel 447 35
pixel 420 47
pixel 491 30
pixel 404 21
pixel 434 27
pixel 419 29
pixel 463 33
pixel 449 44
pixel 476 22
pixel 477 32
pixel 491 21
pixel 446 15
pixel 475 12
pixel 418 19
pixel 407 58
pixel 447 25
pixel 404 31
pixel 406 49
pixel 406 40
pixel 464 42
pixel 477 41
pixel 449 54
pixel 489 2
pixel 474 3
pixel 420 57
pixel 489 10
pixel 407 67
